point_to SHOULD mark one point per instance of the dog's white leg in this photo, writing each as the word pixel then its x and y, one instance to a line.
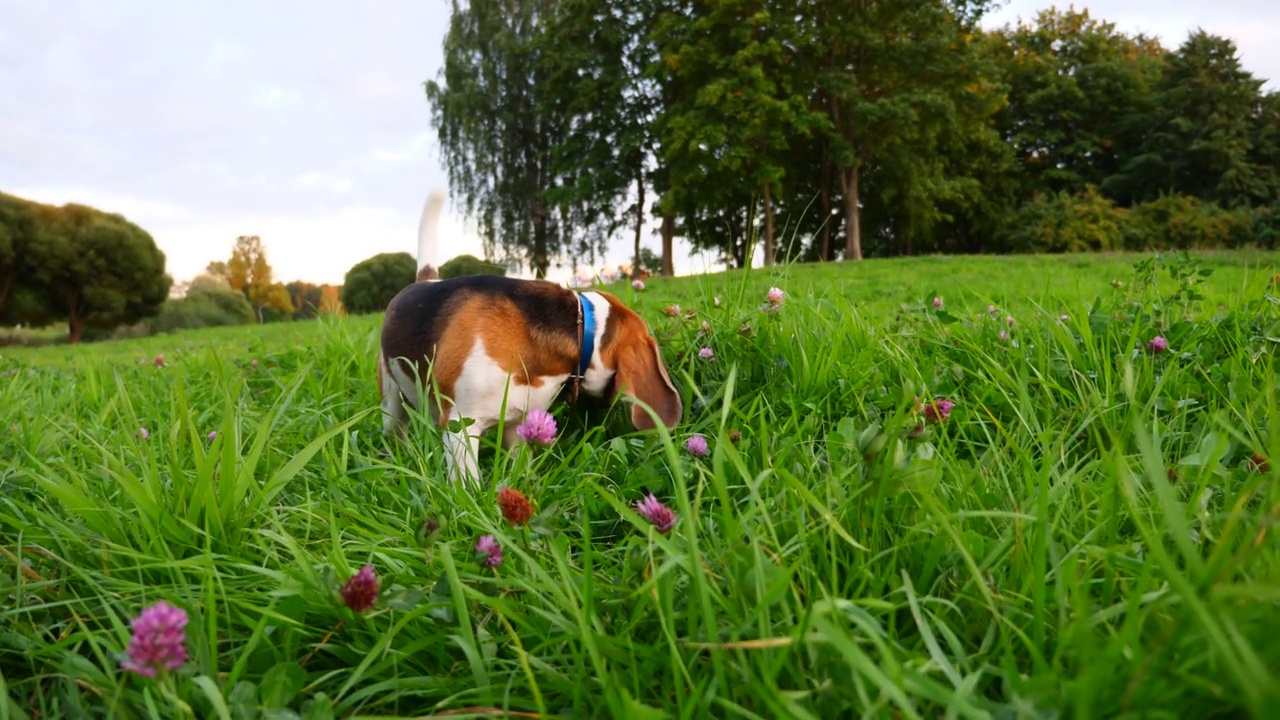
pixel 510 438
pixel 462 452
pixel 395 419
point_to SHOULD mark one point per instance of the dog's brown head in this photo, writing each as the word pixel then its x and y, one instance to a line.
pixel 632 353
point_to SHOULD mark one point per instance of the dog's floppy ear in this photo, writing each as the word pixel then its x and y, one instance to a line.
pixel 641 374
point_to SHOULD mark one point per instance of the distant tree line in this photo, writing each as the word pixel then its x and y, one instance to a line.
pixel 100 273
pixel 845 128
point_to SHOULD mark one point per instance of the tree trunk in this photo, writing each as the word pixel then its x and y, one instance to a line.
pixel 540 259
pixel 635 269
pixel 4 292
pixel 75 328
pixel 824 232
pixel 768 225
pixel 668 235
pixel 853 228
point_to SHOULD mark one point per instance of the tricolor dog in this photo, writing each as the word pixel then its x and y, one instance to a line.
pixel 467 345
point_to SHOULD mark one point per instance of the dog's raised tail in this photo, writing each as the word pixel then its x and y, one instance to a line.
pixel 428 234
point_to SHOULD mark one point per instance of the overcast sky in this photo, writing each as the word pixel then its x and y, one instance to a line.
pixel 305 122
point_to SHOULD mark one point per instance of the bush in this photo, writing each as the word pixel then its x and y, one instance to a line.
pixel 204 307
pixel 1064 223
pixel 371 283
pixel 1186 223
pixel 1266 226
pixel 464 265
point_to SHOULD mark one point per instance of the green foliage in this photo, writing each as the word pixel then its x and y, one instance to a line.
pixel 1179 221
pixel 12 237
pixel 96 270
pixel 1088 528
pixel 1210 133
pixel 744 101
pixel 204 307
pixel 1062 223
pixel 1079 97
pixel 305 298
pixel 501 126
pixel 464 265
pixel 371 283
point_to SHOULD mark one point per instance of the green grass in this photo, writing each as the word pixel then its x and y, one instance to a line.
pixel 1085 536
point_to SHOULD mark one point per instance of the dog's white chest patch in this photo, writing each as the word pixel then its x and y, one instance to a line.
pixel 480 388
pixel 597 376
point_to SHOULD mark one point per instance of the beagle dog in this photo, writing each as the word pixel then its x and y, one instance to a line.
pixel 464 346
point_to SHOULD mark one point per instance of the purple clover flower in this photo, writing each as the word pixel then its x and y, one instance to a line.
pixel 488 547
pixel 662 517
pixel 697 445
pixel 938 410
pixel 159 640
pixel 538 427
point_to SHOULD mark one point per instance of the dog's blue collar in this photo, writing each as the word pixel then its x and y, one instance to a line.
pixel 588 334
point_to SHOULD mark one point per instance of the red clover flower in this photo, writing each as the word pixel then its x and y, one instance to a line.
pixel 514 505
pixel 361 591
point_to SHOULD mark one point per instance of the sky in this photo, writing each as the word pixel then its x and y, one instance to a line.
pixel 306 123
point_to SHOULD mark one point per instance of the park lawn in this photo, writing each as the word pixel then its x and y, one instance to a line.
pixel 1089 532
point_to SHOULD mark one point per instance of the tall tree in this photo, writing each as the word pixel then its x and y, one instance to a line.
pixel 499 126
pixel 1207 133
pixel 598 55
pixel 888 67
pixel 14 230
pixel 745 104
pixel 249 272
pixel 1079 94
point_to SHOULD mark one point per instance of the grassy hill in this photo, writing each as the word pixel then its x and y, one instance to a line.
pixel 1086 527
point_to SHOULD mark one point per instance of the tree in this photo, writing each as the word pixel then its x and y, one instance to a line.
pixel 886 71
pixel 208 303
pixel 219 269
pixel 499 124
pixel 371 283
pixel 1079 92
pixel 463 265
pixel 592 60
pixel 14 230
pixel 249 272
pixel 1207 133
pixel 96 270
pixel 305 298
pixel 744 102
pixel 330 301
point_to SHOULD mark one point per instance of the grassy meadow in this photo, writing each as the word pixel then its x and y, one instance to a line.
pixel 1091 532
